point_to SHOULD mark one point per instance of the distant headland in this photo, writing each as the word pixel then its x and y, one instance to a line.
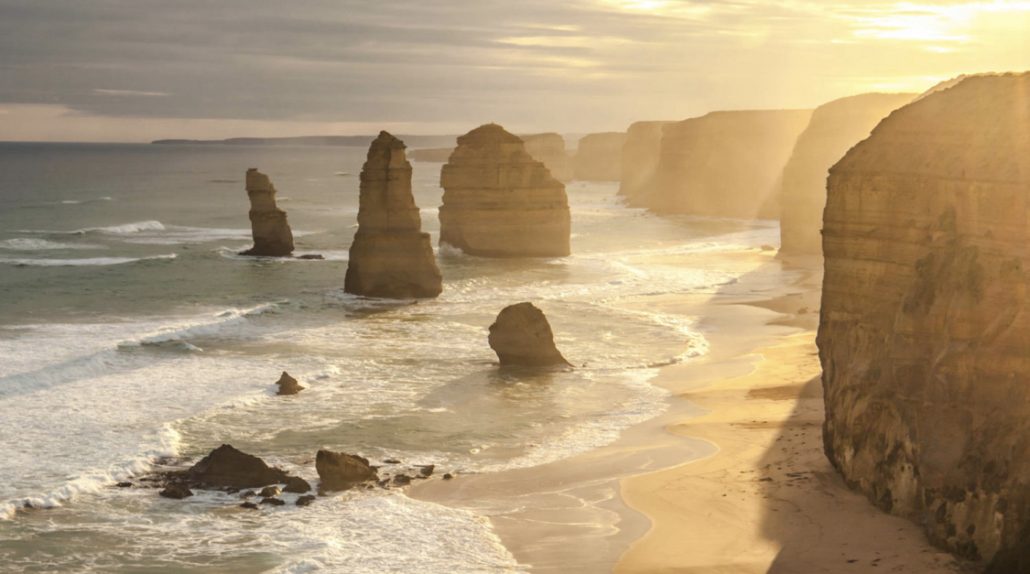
pixel 358 140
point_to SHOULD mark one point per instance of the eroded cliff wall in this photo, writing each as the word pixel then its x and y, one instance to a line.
pixel 549 148
pixel 725 164
pixel 599 157
pixel 834 128
pixel 640 154
pixel 924 336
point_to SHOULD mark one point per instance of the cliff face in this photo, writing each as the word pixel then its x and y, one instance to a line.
pixel 725 164
pixel 390 256
pixel 599 157
pixel 834 128
pixel 268 225
pixel 500 202
pixel 925 329
pixel 640 153
pixel 549 148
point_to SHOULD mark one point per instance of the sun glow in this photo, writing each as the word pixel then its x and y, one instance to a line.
pixel 931 23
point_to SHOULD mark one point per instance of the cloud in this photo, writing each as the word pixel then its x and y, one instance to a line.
pixel 130 93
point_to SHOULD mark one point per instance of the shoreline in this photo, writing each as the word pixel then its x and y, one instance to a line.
pixel 731 478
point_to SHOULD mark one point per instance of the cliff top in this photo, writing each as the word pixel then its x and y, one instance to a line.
pixel 487 134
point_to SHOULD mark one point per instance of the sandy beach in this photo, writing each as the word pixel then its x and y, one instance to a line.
pixel 732 478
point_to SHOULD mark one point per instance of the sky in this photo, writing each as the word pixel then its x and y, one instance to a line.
pixel 136 70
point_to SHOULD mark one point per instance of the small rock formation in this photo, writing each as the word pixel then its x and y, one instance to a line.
pixel 390 257
pixel 835 127
pixel 297 485
pixel 500 202
pixel 271 231
pixel 249 506
pixel 599 157
pixel 924 336
pixel 521 336
pixel 549 149
pixel 724 164
pixel 227 467
pixel 341 471
pixel 305 500
pixel 640 154
pixel 288 385
pixel 176 492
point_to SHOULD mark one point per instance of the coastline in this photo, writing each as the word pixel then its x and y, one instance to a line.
pixel 731 478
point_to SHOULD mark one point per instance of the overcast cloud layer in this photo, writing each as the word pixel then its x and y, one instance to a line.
pixel 441 66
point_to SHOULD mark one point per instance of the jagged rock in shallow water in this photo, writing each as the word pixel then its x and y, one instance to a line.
pixel 227 467
pixel 341 471
pixel 521 336
pixel 549 149
pixel 391 257
pixel 599 157
pixel 500 202
pixel 176 492
pixel 640 155
pixel 925 325
pixel 297 485
pixel 288 385
pixel 834 128
pixel 268 225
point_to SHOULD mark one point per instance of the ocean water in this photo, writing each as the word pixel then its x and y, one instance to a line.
pixel 131 331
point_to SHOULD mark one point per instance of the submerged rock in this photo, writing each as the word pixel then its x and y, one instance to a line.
pixel 288 385
pixel 227 467
pixel 521 336
pixel 176 491
pixel 924 336
pixel 500 202
pixel 305 500
pixel 341 471
pixel 271 231
pixel 390 257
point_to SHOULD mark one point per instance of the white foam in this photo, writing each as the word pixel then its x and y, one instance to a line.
pixel 32 244
pixel 87 262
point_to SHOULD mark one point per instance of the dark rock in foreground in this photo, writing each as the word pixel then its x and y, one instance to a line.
pixel 341 471
pixel 521 336
pixel 227 467
pixel 176 491
pixel 271 231
pixel 297 485
pixel 288 385
pixel 305 500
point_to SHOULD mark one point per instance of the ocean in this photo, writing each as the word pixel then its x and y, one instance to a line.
pixel 132 333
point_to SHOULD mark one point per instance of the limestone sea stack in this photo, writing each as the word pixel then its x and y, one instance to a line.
pixel 725 164
pixel 268 225
pixel 500 202
pixel 834 128
pixel 924 336
pixel 640 154
pixel 599 157
pixel 549 148
pixel 342 471
pixel 390 257
pixel 521 336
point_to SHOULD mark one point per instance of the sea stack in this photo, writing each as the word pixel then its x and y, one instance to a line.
pixel 640 153
pixel 500 202
pixel 549 148
pixel 599 157
pixel 725 164
pixel 522 337
pixel 835 127
pixel 268 225
pixel 390 257
pixel 925 329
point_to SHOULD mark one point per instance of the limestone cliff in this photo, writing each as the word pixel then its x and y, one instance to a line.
pixel 833 129
pixel 390 256
pixel 639 161
pixel 599 157
pixel 725 164
pixel 522 337
pixel 925 328
pixel 268 225
pixel 549 148
pixel 500 202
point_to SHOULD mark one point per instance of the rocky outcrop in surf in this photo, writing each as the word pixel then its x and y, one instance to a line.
pixel 599 157
pixel 640 154
pixel 390 257
pixel 549 148
pixel 925 324
pixel 271 231
pixel 834 128
pixel 342 471
pixel 500 202
pixel 724 164
pixel 288 385
pixel 228 467
pixel 521 336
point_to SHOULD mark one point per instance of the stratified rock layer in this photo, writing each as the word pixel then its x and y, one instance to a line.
pixel 835 127
pixel 640 154
pixel 268 225
pixel 599 157
pixel 725 164
pixel 521 336
pixel 500 202
pixel 925 330
pixel 390 257
pixel 549 148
